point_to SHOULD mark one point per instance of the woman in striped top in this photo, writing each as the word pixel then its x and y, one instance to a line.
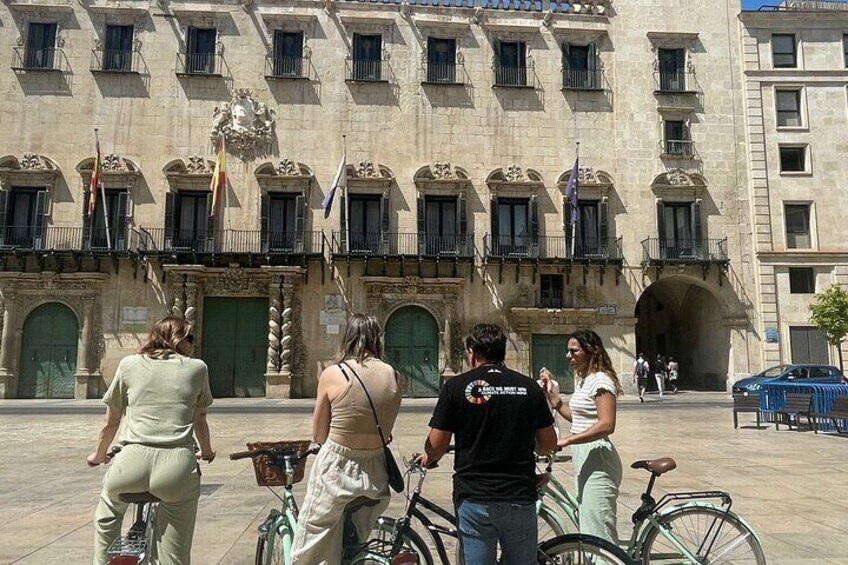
pixel 591 411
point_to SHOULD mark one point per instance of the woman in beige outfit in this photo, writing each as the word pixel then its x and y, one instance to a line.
pixel 351 463
pixel 162 395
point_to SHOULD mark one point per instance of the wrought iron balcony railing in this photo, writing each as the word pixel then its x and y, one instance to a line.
pixel 292 68
pixel 551 300
pixel 445 73
pixel 115 60
pixel 683 148
pixel 656 250
pixel 581 79
pixel 156 240
pixel 675 82
pixel 515 77
pixel 552 247
pixel 63 238
pixel 367 70
pixel 38 59
pixel 413 244
pixel 197 64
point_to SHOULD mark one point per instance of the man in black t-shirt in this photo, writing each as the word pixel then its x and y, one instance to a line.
pixel 499 417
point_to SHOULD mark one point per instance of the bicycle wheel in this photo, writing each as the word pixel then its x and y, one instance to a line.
pixel 706 533
pixel 549 526
pixel 383 536
pixel 581 549
pixel 269 549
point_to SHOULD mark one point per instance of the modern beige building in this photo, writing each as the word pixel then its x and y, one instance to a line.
pixel 459 127
pixel 795 62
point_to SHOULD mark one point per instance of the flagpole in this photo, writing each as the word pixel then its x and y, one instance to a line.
pixel 346 211
pixel 103 204
pixel 576 185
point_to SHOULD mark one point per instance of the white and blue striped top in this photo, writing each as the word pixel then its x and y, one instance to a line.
pixel 584 411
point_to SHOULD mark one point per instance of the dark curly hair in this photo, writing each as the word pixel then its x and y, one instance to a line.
pixel 599 359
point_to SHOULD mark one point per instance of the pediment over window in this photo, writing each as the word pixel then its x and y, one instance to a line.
pixel 116 171
pixel 677 182
pixel 284 175
pixel 367 174
pixel 30 169
pixel 514 177
pixel 596 183
pixel 441 172
pixel 189 173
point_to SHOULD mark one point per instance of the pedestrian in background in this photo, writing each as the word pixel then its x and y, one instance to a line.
pixel 673 372
pixel 659 373
pixel 592 413
pixel 641 370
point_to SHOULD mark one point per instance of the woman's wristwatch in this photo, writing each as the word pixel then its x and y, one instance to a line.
pixel 558 405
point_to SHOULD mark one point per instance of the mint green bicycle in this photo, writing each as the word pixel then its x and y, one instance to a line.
pixel 686 528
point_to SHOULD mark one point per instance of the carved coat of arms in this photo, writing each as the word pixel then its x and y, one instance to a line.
pixel 246 124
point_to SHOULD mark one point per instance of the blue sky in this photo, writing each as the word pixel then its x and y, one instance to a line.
pixel 754 4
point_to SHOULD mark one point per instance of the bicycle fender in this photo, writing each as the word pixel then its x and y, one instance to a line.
pixel 700 504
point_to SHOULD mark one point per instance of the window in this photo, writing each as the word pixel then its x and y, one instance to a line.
pixel 783 51
pixel 513 227
pixel 845 50
pixel 441 60
pixel 40 46
pixel 190 228
pixel 116 209
pixel 367 57
pixel 550 291
pixel 793 159
pixel 200 51
pixel 680 230
pixel 580 67
pixel 440 229
pixel 809 345
pixel 282 214
pixel 677 140
pixel 672 70
pixel 511 69
pixel 798 226
pixel 802 280
pixel 117 52
pixel 288 54
pixel 23 217
pixel 365 214
pixel 788 104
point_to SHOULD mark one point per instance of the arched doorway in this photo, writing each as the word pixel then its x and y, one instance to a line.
pixel 49 353
pixel 412 347
pixel 678 318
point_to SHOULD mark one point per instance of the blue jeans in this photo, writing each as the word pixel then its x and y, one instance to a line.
pixel 483 524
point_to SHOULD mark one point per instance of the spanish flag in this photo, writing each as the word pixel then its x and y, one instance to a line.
pixel 94 183
pixel 219 177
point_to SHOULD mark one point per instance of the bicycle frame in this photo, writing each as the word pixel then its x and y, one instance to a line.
pixel 563 501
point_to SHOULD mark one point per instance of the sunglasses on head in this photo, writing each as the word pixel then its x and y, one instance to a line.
pixel 190 338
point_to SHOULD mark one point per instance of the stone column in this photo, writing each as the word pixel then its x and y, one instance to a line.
pixel 7 346
pixel 191 299
pixel 274 330
pixel 278 375
pixel 83 374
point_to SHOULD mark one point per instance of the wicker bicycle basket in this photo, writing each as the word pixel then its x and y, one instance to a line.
pixel 270 475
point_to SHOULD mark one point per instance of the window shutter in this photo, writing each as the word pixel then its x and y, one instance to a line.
pixel 462 222
pixel 169 220
pixel 264 221
pixel 697 228
pixel 120 230
pixel 566 60
pixel 533 246
pixel 384 223
pixel 86 220
pixel 592 57
pixel 40 220
pixel 4 195
pixel 299 222
pixel 422 235
pixel 343 220
pixel 603 223
pixel 210 225
pixel 661 242
pixel 493 211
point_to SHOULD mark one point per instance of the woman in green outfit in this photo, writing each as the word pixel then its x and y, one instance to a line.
pixel 162 395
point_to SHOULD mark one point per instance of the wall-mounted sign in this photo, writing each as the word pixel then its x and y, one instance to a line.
pixel 772 336
pixel 607 309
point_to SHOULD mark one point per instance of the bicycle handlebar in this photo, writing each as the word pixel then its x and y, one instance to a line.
pixel 298 457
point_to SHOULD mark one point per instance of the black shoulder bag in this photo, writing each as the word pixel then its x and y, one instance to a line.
pixel 395 476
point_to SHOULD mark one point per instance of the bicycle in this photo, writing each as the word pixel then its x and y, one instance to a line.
pixel 554 501
pixel 695 531
pixel 387 546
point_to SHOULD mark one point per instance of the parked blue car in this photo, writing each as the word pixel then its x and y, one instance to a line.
pixel 801 374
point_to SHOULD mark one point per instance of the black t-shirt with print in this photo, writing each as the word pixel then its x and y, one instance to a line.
pixel 494 414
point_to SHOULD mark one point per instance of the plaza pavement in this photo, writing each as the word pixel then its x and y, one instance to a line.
pixel 790 486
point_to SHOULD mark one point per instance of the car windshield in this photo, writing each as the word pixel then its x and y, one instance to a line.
pixel 774 371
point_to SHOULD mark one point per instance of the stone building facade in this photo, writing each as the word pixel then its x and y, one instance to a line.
pixel 795 63
pixel 459 129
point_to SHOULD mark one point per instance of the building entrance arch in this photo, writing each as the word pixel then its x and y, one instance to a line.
pixel 679 318
pixel 49 352
pixel 412 347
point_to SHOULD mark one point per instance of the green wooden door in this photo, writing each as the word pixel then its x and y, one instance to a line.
pixel 49 353
pixel 550 351
pixel 412 347
pixel 235 344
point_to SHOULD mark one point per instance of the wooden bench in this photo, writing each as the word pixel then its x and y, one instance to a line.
pixel 796 405
pixel 839 411
pixel 745 403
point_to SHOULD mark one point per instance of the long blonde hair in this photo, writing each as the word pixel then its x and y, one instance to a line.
pixel 165 336
pixel 599 359
pixel 363 338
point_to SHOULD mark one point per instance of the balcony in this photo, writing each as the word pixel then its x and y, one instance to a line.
pixel 515 77
pixel 448 74
pixel 366 70
pixel 678 149
pixel 61 238
pixel 551 300
pixel 553 248
pixel 286 68
pixel 656 251
pixel 38 59
pixel 675 82
pixel 118 61
pixel 577 79
pixel 197 64
pixel 413 245
pixel 230 242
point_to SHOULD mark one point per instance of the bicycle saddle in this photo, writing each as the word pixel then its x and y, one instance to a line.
pixel 361 502
pixel 137 498
pixel 656 466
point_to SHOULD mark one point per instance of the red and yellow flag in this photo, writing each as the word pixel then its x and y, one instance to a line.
pixel 219 176
pixel 94 183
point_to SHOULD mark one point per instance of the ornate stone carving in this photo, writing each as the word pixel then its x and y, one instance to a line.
pixel 197 165
pixel 31 162
pixel 246 125
pixel 288 168
pixel 367 170
pixel 585 175
pixel 113 163
pixel 677 177
pixel 513 173
pixel 442 170
pixel 235 280
pixel 191 299
pixel 274 330
pixel 286 328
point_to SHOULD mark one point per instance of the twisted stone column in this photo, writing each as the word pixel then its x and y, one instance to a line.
pixel 274 328
pixel 7 345
pixel 191 294
pixel 286 328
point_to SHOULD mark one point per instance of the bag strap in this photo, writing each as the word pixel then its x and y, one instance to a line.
pixel 368 396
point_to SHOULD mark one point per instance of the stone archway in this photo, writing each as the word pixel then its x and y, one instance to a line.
pixel 412 346
pixel 685 318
